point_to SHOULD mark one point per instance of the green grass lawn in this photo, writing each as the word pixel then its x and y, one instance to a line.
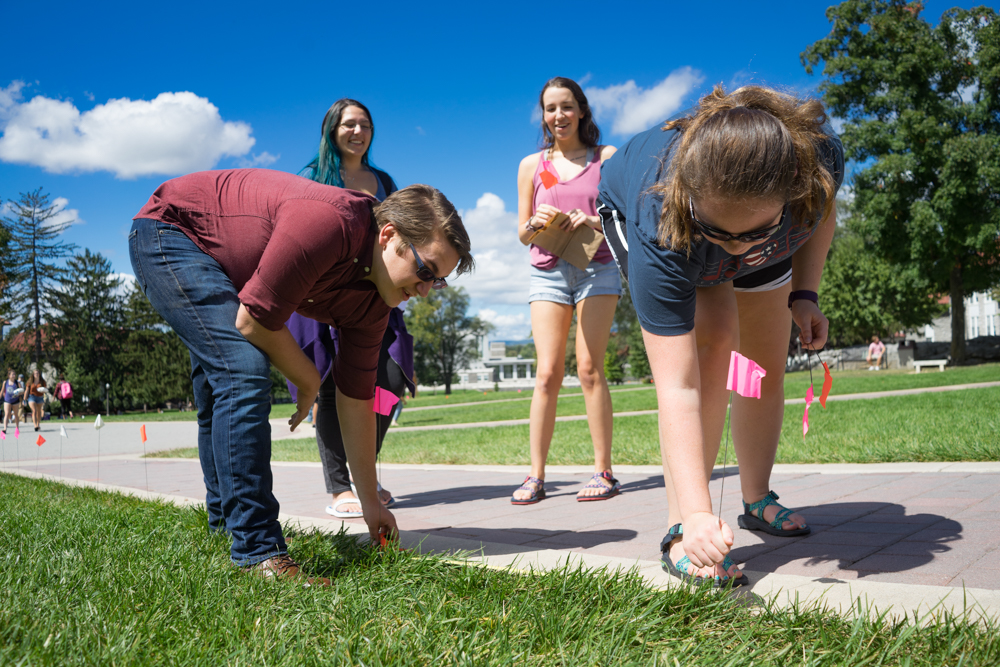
pixel 949 426
pixel 624 397
pixel 91 578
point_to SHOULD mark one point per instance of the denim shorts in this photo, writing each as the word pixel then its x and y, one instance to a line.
pixel 564 283
pixel 35 399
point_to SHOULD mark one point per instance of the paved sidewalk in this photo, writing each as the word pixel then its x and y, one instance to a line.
pixel 901 537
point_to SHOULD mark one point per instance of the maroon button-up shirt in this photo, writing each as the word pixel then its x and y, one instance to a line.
pixel 289 245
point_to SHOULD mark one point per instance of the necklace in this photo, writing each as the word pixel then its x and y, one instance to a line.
pixel 571 159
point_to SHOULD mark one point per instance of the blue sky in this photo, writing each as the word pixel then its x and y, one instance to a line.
pixel 129 95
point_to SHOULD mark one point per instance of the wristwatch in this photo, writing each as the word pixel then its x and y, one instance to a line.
pixel 803 294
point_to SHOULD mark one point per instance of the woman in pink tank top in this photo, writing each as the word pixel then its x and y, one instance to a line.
pixel 563 177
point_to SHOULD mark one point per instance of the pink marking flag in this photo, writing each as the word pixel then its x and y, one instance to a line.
pixel 3 435
pixel 827 385
pixel 744 376
pixel 142 432
pixel 17 432
pixel 384 401
pixel 40 441
pixel 805 415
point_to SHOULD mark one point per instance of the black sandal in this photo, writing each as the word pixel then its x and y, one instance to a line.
pixel 748 521
pixel 679 569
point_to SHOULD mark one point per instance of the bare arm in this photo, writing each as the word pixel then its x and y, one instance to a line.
pixel 526 195
pixel 807 270
pixel 287 357
pixel 674 363
pixel 357 426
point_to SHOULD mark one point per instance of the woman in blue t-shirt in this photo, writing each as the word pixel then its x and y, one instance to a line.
pixel 724 216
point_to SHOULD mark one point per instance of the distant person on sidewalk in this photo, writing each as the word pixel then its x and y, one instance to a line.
pixel 36 397
pixel 226 257
pixel 344 160
pixel 11 400
pixel 875 352
pixel 721 219
pixel 64 392
pixel 563 178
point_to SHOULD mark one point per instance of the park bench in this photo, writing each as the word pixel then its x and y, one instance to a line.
pixel 940 363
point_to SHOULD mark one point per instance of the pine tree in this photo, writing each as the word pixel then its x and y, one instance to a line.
pixel 157 365
pixel 32 273
pixel 89 323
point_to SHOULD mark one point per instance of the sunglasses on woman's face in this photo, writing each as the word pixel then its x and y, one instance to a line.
pixel 425 274
pixel 755 236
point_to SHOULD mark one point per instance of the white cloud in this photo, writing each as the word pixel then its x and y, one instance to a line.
pixel 9 98
pixel 502 265
pixel 63 215
pixel 174 133
pixel 510 325
pixel 262 160
pixel 633 109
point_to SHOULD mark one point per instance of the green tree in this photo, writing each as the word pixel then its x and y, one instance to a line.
pixel 32 273
pixel 613 370
pixel 89 323
pixel 637 360
pixel 157 365
pixel 921 111
pixel 445 338
pixel 863 294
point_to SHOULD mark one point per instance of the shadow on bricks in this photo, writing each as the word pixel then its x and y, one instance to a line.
pixel 532 539
pixel 463 494
pixel 865 538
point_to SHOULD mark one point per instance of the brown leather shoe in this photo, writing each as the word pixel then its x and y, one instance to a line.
pixel 285 567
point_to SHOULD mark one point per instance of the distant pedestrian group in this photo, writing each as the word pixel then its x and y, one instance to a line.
pixel 23 401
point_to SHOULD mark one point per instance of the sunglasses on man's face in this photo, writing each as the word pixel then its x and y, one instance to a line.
pixel 425 274
pixel 755 236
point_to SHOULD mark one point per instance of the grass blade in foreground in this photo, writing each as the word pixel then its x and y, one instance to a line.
pixel 94 578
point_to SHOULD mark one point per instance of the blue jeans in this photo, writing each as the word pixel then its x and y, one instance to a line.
pixel 232 385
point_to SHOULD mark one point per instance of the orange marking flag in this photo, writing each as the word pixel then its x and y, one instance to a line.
pixel 827 385
pixel 548 178
pixel 142 432
pixel 40 441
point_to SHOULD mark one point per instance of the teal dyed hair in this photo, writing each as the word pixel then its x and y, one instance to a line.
pixel 325 167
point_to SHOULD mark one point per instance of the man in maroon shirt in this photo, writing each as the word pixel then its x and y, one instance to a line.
pixel 226 257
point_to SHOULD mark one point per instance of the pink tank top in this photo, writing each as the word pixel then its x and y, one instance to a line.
pixel 578 192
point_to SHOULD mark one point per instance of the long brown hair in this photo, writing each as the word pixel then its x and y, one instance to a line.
pixel 753 143
pixel 589 133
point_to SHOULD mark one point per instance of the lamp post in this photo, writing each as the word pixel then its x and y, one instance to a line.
pixel 107 398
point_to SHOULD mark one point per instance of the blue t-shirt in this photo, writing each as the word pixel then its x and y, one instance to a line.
pixel 662 282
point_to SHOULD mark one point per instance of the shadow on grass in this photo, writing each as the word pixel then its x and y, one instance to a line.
pixel 864 538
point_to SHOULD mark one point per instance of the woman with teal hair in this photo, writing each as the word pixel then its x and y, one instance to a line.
pixel 343 160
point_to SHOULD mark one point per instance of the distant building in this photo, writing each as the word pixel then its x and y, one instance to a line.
pixel 982 318
pixel 495 367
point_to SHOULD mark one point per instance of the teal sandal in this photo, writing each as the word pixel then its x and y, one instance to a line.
pixel 748 521
pixel 605 491
pixel 537 493
pixel 679 569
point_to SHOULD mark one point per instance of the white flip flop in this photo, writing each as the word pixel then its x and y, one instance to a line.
pixel 334 511
pixel 388 503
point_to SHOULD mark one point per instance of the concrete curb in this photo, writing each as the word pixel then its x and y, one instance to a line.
pixel 896 601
